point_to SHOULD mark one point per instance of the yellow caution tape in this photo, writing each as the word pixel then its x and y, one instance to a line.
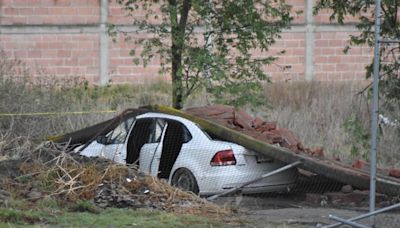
pixel 54 113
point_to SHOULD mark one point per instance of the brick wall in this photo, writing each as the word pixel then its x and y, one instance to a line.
pixel 55 54
pixel 38 12
pixel 64 38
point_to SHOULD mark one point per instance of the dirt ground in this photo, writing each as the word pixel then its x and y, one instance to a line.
pixel 291 210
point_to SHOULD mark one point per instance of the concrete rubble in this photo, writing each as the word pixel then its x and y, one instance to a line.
pixel 240 120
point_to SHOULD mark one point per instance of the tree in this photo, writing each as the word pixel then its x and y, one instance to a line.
pixel 390 29
pixel 208 44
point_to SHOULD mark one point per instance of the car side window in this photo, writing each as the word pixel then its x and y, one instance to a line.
pixel 156 131
pixel 186 134
pixel 119 134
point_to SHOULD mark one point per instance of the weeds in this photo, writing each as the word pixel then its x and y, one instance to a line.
pixel 359 136
pixel 19 217
pixel 54 98
pixel 332 115
pixel 329 114
pixel 84 206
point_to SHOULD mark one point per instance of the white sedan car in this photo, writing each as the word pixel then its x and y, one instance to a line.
pixel 178 150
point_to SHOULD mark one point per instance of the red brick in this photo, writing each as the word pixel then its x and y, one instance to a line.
pixel 64 70
pixel 41 11
pixel 359 164
pixel 394 173
pixel 20 3
pixel 86 62
pixel 34 54
pixel 25 11
pixel 47 2
pixel 10 11
pixel 70 11
pixel 63 2
pixel 63 53
pixel 49 53
pixel 56 11
pixel 343 67
pixel 20 54
pixel 71 62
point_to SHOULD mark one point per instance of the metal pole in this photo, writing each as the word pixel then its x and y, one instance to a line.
pixel 344 221
pixel 389 41
pixel 255 180
pixel 366 215
pixel 374 115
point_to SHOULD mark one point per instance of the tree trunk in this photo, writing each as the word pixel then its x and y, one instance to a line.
pixel 178 41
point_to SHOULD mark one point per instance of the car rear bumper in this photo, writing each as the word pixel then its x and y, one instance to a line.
pixel 231 177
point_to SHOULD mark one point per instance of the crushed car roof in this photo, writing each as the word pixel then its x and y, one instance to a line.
pixel 237 126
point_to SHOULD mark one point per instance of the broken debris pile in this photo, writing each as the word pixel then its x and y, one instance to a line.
pixel 240 120
pixel 69 177
pixel 269 132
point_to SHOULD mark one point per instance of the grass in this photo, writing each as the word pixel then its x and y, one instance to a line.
pixel 110 217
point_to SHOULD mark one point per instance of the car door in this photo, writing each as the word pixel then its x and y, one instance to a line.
pixel 115 148
pixel 152 146
pixel 172 141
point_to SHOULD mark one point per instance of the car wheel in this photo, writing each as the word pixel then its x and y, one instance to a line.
pixel 185 180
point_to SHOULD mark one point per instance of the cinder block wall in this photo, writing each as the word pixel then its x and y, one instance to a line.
pixel 69 38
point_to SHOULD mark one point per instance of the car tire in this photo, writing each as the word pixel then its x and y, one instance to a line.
pixel 185 180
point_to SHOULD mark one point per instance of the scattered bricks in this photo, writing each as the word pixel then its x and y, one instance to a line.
pixel 244 115
pixel 300 146
pixel 290 140
pixel 394 173
pixel 359 164
pixel 355 197
pixel 242 119
pixel 293 148
pixel 215 110
pixel 273 137
pixel 316 152
pixel 319 199
pixel 223 116
pixel 262 137
pixel 338 198
pixel 257 122
pixel 347 189
pixel 264 126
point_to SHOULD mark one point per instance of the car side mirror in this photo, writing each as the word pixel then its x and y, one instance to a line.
pixel 102 139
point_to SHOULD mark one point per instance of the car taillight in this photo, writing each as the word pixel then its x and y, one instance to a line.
pixel 223 157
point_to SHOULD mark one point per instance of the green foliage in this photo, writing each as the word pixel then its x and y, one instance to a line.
pixel 359 137
pixel 364 10
pixel 209 44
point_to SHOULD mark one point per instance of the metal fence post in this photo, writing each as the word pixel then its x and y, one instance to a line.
pixel 374 117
